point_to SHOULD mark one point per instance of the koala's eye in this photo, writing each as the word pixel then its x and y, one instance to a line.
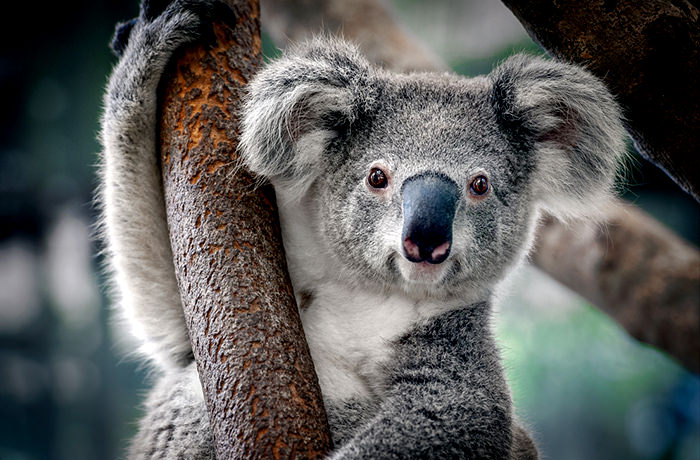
pixel 479 185
pixel 377 178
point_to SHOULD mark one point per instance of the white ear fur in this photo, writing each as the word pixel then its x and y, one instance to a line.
pixel 571 122
pixel 297 106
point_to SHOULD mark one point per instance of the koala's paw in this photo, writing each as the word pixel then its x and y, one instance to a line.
pixel 168 25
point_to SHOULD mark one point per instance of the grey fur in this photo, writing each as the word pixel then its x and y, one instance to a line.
pixel 405 356
pixel 133 219
pixel 176 424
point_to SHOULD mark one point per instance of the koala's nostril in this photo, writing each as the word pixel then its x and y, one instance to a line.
pixel 412 250
pixel 440 253
pixel 425 252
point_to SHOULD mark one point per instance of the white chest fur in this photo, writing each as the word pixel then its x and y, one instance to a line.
pixel 349 329
pixel 350 332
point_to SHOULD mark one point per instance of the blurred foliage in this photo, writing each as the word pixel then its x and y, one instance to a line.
pixel 585 387
pixel 68 392
pixel 65 391
pixel 473 66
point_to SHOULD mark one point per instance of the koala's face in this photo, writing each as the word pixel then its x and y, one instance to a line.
pixel 429 183
pixel 420 193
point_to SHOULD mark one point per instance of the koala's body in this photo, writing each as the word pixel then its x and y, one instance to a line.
pixel 404 201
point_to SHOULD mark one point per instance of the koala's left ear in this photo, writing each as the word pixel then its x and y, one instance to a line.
pixel 568 120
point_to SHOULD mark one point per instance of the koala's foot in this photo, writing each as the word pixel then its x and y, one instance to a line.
pixel 132 197
pixel 176 424
pixel 177 22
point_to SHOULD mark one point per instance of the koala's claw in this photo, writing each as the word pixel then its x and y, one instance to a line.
pixel 206 10
pixel 170 19
pixel 122 31
pixel 151 9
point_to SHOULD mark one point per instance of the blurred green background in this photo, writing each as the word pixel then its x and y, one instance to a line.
pixel 67 391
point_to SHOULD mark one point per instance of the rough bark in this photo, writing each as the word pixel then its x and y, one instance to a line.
pixel 258 378
pixel 648 53
pixel 636 270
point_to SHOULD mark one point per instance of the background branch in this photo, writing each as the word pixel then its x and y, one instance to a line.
pixel 258 378
pixel 648 53
pixel 367 22
pixel 631 266
pixel 636 270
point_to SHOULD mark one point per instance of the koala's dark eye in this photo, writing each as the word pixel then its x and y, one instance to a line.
pixel 479 185
pixel 377 178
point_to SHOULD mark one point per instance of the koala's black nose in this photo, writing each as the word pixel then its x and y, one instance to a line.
pixel 429 204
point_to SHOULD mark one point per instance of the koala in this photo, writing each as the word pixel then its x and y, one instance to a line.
pixel 404 199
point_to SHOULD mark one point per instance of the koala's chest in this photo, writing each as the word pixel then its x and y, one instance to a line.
pixel 350 335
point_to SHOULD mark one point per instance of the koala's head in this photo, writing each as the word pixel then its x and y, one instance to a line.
pixel 429 183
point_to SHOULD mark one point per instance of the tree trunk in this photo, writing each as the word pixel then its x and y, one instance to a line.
pixel 659 306
pixel 648 53
pixel 258 378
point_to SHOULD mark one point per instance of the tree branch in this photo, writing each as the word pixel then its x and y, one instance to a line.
pixel 366 22
pixel 257 375
pixel 648 53
pixel 635 269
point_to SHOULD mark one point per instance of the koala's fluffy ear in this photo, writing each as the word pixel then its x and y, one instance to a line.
pixel 568 120
pixel 298 104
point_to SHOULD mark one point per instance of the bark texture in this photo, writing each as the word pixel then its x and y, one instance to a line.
pixel 648 53
pixel 258 378
pixel 631 266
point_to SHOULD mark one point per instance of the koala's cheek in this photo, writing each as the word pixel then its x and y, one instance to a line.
pixel 462 236
pixel 363 240
pixel 493 242
pixel 385 242
pixel 478 248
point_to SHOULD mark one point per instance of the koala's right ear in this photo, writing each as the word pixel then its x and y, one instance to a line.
pixel 298 104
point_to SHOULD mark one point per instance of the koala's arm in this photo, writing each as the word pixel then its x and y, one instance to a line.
pixel 131 197
pixel 446 398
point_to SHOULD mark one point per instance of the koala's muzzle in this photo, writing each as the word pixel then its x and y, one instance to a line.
pixel 429 203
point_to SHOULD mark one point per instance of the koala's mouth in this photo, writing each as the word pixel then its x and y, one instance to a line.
pixel 422 272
